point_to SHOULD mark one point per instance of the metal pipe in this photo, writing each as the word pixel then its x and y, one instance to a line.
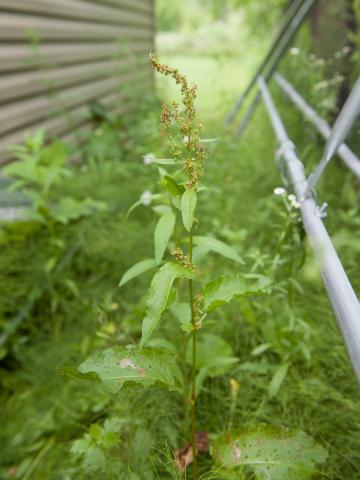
pixel 284 42
pixel 290 14
pixel 341 128
pixel 341 294
pixel 344 152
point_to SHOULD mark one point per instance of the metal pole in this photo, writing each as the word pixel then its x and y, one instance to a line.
pixel 344 152
pixel 341 294
pixel 341 128
pixel 290 14
pixel 283 45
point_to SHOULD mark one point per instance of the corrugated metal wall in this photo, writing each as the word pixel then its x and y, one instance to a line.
pixel 56 56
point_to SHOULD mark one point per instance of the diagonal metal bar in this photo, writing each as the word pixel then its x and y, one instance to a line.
pixel 344 152
pixel 290 14
pixel 341 128
pixel 284 42
pixel 341 294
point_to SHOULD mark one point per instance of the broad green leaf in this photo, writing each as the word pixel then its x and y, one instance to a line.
pixel 118 366
pixel 162 234
pixel 229 288
pixel 271 453
pixel 188 206
pixel 218 246
pixel 137 270
pixel 278 379
pixel 159 291
pixel 171 185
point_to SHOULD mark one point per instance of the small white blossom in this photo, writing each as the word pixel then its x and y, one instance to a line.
pixel 293 202
pixel 149 158
pixel 321 85
pixel 279 191
pixel 319 62
pixel 294 51
pixel 146 198
pixel 186 139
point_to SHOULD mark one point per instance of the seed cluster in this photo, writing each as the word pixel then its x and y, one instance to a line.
pixel 189 150
pixel 180 256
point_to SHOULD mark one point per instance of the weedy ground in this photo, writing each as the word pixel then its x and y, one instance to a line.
pixel 80 309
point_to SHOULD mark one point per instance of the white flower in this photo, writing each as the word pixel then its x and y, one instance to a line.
pixel 279 191
pixel 186 139
pixel 149 158
pixel 294 51
pixel 319 62
pixel 293 202
pixel 146 198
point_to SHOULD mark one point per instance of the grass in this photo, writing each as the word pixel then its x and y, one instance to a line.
pixel 42 412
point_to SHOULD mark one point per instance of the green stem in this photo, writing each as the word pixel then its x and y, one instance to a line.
pixel 193 369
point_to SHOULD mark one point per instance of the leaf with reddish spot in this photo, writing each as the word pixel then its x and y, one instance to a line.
pixel 118 366
pixel 271 453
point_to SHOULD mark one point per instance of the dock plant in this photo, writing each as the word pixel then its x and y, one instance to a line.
pixel 181 291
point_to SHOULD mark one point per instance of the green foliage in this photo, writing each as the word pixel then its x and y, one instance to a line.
pixel 171 185
pixel 188 207
pixel 68 209
pixel 214 245
pixel 158 296
pixel 119 366
pixel 278 379
pixel 162 234
pixel 230 288
pixel 271 453
pixel 220 362
pixel 94 448
pixel 38 169
pixel 138 269
pixel 101 451
pixel 169 15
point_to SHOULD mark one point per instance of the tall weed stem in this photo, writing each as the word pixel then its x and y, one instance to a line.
pixel 193 368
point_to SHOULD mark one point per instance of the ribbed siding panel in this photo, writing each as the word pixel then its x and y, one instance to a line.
pixel 58 56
